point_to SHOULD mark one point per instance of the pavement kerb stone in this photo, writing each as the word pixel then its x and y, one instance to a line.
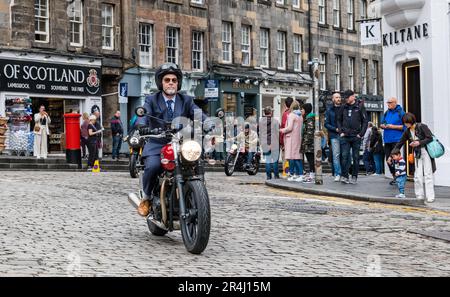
pixel 346 195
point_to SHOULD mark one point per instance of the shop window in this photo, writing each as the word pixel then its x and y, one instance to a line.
pixel 18 138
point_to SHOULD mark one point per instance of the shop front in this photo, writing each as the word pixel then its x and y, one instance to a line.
pixel 239 99
pixel 416 47
pixel 274 95
pixel 61 84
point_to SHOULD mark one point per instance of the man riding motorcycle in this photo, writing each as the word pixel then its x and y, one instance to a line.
pixel 250 139
pixel 167 104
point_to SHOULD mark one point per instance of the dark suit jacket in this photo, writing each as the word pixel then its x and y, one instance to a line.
pixel 156 106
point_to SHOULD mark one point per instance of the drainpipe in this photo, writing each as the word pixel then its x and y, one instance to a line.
pixel 310 38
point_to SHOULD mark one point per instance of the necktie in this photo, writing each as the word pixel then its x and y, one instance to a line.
pixel 169 109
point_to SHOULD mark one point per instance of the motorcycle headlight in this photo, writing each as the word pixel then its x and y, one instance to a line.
pixel 234 147
pixel 134 140
pixel 191 150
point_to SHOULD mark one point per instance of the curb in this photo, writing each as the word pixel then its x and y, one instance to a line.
pixel 366 198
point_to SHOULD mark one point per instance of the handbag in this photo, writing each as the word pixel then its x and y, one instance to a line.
pixel 435 148
pixel 37 128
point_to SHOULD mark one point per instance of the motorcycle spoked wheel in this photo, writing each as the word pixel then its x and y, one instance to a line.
pixel 196 227
pixel 255 168
pixel 229 165
pixel 132 165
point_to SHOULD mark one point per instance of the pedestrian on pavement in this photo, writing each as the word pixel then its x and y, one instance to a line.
pixel 93 141
pixel 272 149
pixel 293 141
pixel 95 110
pixel 352 124
pixel 400 171
pixel 41 131
pixel 419 135
pixel 333 133
pixel 117 135
pixel 393 129
pixel 376 148
pixel 284 117
pixel 367 155
pixel 308 140
pixel 84 134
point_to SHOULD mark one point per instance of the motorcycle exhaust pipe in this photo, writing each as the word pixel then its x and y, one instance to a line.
pixel 134 200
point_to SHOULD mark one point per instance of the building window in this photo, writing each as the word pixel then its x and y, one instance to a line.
pixel 281 2
pixel 41 21
pixel 364 9
pixel 296 3
pixel 172 45
pixel 264 47
pixel 364 76
pixel 336 13
pixel 281 48
pixel 197 51
pixel 75 10
pixel 297 52
pixel 375 77
pixel 322 12
pixel 337 73
pixel 227 42
pixel 146 44
pixel 198 1
pixel 350 14
pixel 107 26
pixel 323 71
pixel 351 73
pixel 246 45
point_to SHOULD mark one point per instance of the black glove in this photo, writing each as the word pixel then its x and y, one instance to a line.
pixel 149 131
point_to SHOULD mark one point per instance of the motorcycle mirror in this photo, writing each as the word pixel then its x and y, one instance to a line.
pixel 220 113
pixel 140 111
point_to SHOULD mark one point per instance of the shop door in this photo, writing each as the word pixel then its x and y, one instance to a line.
pixel 250 106
pixel 229 104
pixel 412 98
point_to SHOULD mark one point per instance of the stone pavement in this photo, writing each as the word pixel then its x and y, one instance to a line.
pixel 368 188
pixel 80 224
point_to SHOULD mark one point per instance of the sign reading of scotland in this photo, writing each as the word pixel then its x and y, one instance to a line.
pixel 48 78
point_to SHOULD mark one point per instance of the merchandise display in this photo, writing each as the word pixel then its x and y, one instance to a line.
pixel 19 112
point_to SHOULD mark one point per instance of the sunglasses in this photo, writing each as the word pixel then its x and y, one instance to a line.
pixel 389 102
pixel 167 66
pixel 168 80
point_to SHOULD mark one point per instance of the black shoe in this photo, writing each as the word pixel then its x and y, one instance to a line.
pixel 354 180
pixel 393 182
pixel 277 177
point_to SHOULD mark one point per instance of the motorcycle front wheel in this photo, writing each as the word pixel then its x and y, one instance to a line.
pixel 195 228
pixel 132 165
pixel 229 165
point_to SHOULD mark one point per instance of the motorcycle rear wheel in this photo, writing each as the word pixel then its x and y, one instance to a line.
pixel 195 228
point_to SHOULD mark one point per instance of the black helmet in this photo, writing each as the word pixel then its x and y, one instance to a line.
pixel 168 68
pixel 220 113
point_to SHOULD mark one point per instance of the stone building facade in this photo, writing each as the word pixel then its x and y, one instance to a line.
pixel 335 40
pixel 72 36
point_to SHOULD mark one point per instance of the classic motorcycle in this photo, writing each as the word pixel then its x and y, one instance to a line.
pixel 180 198
pixel 136 145
pixel 237 160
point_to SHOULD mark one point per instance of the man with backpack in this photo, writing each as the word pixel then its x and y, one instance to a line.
pixel 393 127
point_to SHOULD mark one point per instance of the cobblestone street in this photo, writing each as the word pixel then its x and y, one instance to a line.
pixel 64 224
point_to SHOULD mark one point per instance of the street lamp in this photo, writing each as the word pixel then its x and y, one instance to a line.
pixel 317 135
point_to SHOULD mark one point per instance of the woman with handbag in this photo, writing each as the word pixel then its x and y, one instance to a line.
pixel 419 136
pixel 41 131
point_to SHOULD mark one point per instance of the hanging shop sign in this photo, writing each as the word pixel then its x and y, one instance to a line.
pixel 48 78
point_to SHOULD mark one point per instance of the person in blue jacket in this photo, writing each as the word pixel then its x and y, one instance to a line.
pixel 393 127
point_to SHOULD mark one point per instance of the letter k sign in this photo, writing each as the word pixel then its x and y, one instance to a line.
pixel 369 31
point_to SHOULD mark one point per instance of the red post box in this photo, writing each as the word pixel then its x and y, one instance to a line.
pixel 73 148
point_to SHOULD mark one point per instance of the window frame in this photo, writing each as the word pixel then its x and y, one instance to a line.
pixel 199 50
pixel 73 23
pixel 336 13
pixel 227 31
pixel 351 15
pixel 246 33
pixel 148 45
pixel 175 47
pixel 264 47
pixel 322 12
pixel 351 73
pixel 297 44
pixel 364 77
pixel 323 71
pixel 281 50
pixel 38 17
pixel 337 72
pixel 106 26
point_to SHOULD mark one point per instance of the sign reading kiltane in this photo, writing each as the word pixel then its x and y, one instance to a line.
pixel 405 35
pixel 49 78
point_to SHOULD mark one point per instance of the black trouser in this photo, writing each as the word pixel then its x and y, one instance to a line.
pixel 388 147
pixel 93 153
pixel 348 144
pixel 84 144
pixel 311 161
